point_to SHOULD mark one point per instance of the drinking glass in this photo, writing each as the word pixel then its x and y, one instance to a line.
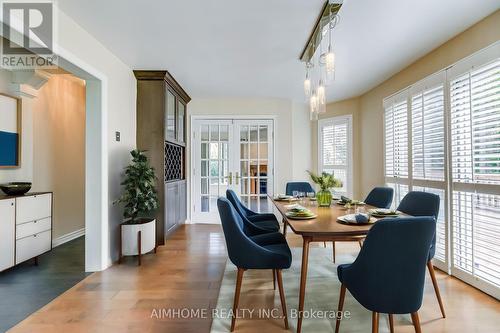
pixel 295 194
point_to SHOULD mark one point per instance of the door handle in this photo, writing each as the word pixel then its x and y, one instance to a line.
pixel 230 177
pixel 237 178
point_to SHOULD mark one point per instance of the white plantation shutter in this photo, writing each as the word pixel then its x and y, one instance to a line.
pixel 427 111
pixel 454 141
pixel 334 144
pixel 396 138
pixel 475 124
pixel 475 170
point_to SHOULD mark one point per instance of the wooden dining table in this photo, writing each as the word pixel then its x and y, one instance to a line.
pixel 324 228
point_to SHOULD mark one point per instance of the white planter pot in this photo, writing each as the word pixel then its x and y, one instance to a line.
pixel 130 238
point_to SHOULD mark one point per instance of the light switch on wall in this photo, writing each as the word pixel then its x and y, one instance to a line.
pixel 117 136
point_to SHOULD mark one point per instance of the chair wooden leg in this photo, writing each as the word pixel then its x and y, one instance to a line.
pixel 303 280
pixel 139 246
pixel 391 323
pixel 324 244
pixel 274 279
pixel 416 322
pixel 285 224
pixel 360 242
pixel 375 322
pixel 333 247
pixel 436 287
pixel 239 279
pixel 340 307
pixel 282 297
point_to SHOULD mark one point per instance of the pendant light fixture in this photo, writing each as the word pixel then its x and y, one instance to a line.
pixel 307 80
pixel 320 63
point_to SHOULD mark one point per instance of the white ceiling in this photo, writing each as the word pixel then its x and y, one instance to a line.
pixel 235 48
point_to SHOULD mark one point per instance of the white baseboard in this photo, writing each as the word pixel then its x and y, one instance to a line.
pixel 68 237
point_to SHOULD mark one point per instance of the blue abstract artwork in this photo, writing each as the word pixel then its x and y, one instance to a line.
pixel 9 136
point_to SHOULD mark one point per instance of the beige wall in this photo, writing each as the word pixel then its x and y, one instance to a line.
pixel 346 107
pixel 368 149
pixel 59 150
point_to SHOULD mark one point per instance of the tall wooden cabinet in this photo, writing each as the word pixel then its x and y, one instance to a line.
pixel 161 130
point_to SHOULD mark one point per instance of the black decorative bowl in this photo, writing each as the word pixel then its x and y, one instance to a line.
pixel 15 188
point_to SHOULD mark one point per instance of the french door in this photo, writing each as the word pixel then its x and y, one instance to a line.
pixel 232 154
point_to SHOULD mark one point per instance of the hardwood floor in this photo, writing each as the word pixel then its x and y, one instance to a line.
pixel 186 273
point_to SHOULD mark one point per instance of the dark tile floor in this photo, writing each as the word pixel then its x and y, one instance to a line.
pixel 26 287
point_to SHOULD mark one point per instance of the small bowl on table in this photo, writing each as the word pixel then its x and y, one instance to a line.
pixel 15 188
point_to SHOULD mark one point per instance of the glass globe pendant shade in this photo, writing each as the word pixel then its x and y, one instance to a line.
pixel 321 97
pixel 307 86
pixel 313 102
pixel 330 61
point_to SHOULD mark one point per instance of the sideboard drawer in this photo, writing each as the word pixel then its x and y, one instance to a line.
pixel 33 207
pixel 31 228
pixel 32 246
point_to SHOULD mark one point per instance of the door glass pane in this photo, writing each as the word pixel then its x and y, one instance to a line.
pixel 223 150
pixel 170 117
pixel 263 186
pixel 254 185
pixel 204 150
pixel 253 133
pixel 263 168
pixel 204 186
pixel 244 168
pixel 214 132
pixel 253 168
pixel 244 151
pixel 214 168
pixel 263 150
pixel 253 150
pixel 180 122
pixel 263 134
pixel 214 153
pixel 223 169
pixel 204 203
pixel 204 168
pixel 244 134
pixel 244 186
pixel 204 132
pixel 224 132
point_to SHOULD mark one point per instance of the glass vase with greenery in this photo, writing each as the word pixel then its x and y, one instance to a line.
pixel 326 181
pixel 139 197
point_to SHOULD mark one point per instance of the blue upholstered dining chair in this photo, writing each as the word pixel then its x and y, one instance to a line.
pixel 389 273
pixel 255 223
pixel 380 197
pixel 418 203
pixel 269 251
pixel 298 186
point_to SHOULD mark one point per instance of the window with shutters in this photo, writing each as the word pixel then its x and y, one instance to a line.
pixel 427 114
pixel 396 134
pixel 453 150
pixel 335 150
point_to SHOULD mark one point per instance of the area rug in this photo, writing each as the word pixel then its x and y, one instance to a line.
pixel 322 296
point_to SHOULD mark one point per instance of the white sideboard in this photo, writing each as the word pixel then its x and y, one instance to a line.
pixel 25 227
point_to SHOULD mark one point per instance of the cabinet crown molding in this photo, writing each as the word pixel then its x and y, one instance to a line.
pixel 165 76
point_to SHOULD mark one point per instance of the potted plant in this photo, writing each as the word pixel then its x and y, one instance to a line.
pixel 138 230
pixel 325 181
